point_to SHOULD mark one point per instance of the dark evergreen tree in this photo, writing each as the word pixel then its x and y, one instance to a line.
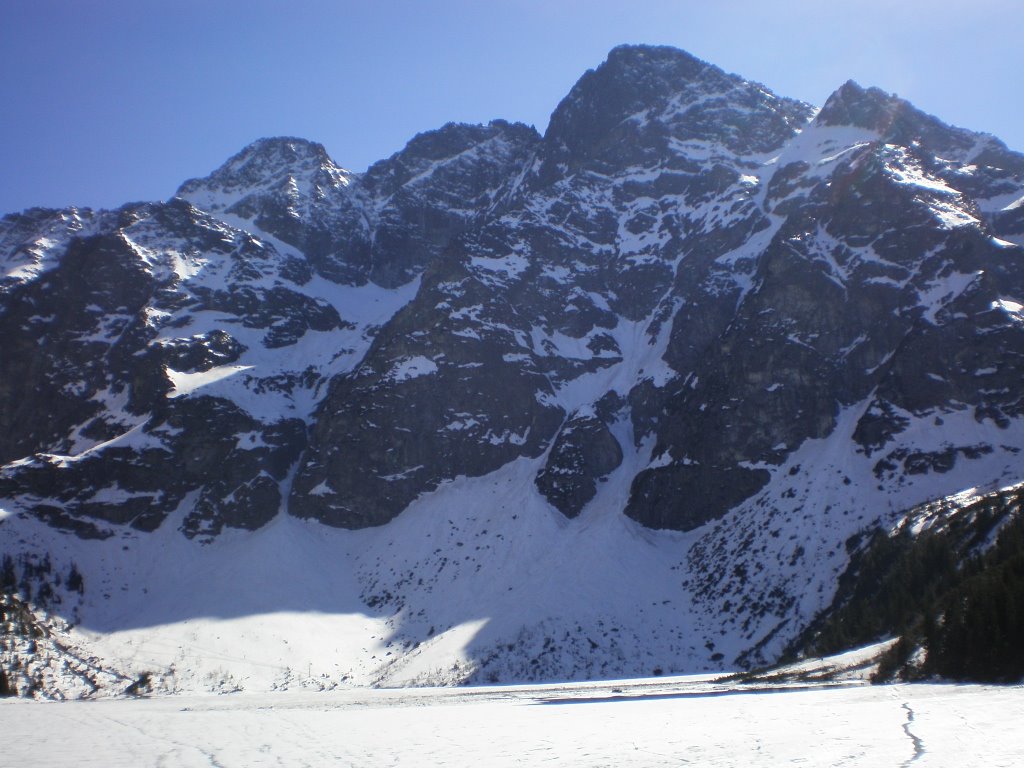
pixel 6 689
pixel 934 591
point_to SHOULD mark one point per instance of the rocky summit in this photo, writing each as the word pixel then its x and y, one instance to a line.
pixel 617 398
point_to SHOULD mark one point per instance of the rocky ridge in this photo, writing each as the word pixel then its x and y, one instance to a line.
pixel 692 303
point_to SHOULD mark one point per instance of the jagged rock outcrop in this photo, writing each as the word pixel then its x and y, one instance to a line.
pixel 584 452
pixel 385 225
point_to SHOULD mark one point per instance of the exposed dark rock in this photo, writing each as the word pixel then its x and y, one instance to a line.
pixel 685 496
pixel 584 452
pixel 734 273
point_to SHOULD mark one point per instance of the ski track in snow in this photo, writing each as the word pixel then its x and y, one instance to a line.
pixel 919 749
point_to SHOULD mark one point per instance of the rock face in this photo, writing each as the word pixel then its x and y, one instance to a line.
pixel 692 302
pixel 584 452
pixel 124 332
pixel 187 341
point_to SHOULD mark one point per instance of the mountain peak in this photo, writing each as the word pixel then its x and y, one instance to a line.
pixel 452 140
pixel 643 95
pixel 633 78
pixel 652 56
pixel 870 108
pixel 266 164
pixel 285 146
pixel 897 121
pixel 276 154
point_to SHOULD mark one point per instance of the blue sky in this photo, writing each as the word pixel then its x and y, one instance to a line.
pixel 108 101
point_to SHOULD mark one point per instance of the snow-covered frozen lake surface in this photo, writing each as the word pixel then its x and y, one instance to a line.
pixel 653 722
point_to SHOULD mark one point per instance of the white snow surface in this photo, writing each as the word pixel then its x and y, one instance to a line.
pixel 187 383
pixel 482 580
pixel 412 368
pixel 799 523
pixel 478 563
pixel 646 723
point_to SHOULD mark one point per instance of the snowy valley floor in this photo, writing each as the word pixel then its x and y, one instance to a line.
pixel 655 722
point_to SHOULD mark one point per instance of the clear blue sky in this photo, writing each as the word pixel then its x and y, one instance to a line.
pixel 108 101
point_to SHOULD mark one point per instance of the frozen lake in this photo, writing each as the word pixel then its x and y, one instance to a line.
pixel 657 722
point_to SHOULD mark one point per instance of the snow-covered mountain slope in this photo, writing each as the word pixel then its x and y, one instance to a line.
pixel 174 354
pixel 594 403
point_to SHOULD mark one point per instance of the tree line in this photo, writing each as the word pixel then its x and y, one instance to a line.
pixel 952 597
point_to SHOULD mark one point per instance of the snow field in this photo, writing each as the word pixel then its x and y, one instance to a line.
pixel 643 723
pixel 480 581
pixel 478 564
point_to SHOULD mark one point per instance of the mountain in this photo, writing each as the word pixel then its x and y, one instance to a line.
pixel 506 406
